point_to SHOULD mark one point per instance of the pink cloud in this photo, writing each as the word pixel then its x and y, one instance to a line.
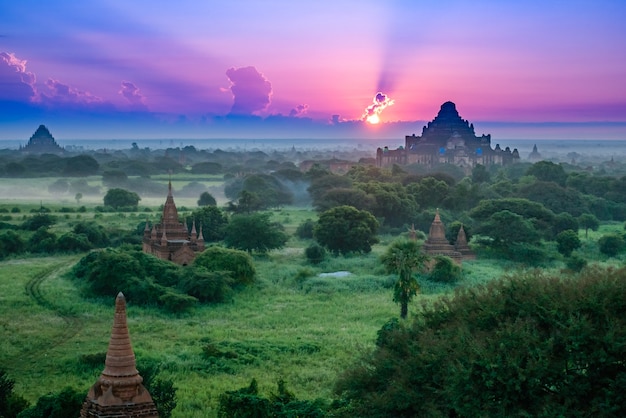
pixel 132 94
pixel 299 110
pixel 16 83
pixel 251 90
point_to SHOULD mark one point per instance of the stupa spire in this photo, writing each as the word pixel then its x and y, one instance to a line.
pixel 119 392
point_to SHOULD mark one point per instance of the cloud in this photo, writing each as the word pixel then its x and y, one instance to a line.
pixel 132 94
pixel 251 90
pixel 63 94
pixel 16 84
pixel 380 102
pixel 299 110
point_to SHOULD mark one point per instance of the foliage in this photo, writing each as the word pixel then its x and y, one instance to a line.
pixel 254 232
pixel 117 198
pixel 206 286
pixel 611 245
pixel 429 192
pixel 323 183
pixel 587 221
pixel 114 178
pixel 144 279
pixel 270 191
pixel 305 229
pixel 533 345
pixel 404 258
pixel 212 220
pixel 452 231
pixel 206 199
pixel 247 403
pixel 563 222
pixel 11 243
pixel 81 166
pixel 339 196
pixel 40 220
pixel 445 270
pixel 71 242
pixel 507 228
pixel 237 263
pixel 11 404
pixel 162 390
pixel 315 253
pixel 548 171
pixel 66 403
pixel 94 232
pixel 42 241
pixel 391 202
pixel 554 197
pixel 345 229
pixel 575 263
pixel 567 241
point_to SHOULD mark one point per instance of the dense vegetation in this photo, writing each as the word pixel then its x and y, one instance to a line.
pixel 288 323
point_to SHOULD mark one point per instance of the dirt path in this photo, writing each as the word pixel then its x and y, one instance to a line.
pixel 73 324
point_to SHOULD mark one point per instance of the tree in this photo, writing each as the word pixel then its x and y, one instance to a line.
pixel 114 178
pixel 548 171
pixel 254 232
pixel 567 241
pixel 66 403
pixel 315 253
pixel 237 263
pixel 507 228
pixel 78 196
pixel 212 220
pixel 207 199
pixel 119 198
pixel 563 222
pixel 81 166
pixel 588 221
pixel 611 244
pixel 345 229
pixel 531 345
pixel 445 270
pixel 40 220
pixel 404 258
pixel 11 404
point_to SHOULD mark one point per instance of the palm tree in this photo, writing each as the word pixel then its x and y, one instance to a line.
pixel 404 258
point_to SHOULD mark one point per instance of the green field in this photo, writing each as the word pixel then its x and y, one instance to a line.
pixel 291 325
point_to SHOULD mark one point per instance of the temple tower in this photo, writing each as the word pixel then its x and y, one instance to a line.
pixel 437 244
pixel 118 393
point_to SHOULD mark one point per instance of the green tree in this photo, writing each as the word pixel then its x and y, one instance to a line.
pixel 305 229
pixel 507 228
pixel 117 198
pixel 237 263
pixel 78 196
pixel 40 220
pixel 588 221
pixel 81 166
pixel 66 403
pixel 207 199
pixel 611 245
pixel 11 404
pixel 548 171
pixel 212 220
pixel 480 174
pixel 404 258
pixel 445 270
pixel 315 253
pixel 567 241
pixel 515 347
pixel 340 196
pixel 345 229
pixel 115 178
pixel 11 243
pixel 254 232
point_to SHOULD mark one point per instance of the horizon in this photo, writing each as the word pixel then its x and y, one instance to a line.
pixel 366 70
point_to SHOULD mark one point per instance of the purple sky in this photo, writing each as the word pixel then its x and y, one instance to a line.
pixel 243 68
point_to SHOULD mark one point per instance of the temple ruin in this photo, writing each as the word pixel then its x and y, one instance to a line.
pixel 437 243
pixel 170 240
pixel 42 142
pixel 119 391
pixel 447 139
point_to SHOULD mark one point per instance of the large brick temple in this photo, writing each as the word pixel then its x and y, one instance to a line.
pixel 170 240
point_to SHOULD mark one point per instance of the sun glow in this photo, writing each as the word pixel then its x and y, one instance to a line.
pixel 373 119
pixel 379 103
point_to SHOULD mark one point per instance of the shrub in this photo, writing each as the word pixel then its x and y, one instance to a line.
pixel 611 245
pixel 315 253
pixel 238 263
pixel 445 270
pixel 305 229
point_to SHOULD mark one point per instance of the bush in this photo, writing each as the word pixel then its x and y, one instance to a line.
pixel 445 270
pixel 532 345
pixel 237 263
pixel 305 229
pixel 315 253
pixel 611 245
pixel 66 403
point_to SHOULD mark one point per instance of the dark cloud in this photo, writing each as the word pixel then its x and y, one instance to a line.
pixel 60 93
pixel 299 110
pixel 16 84
pixel 251 91
pixel 132 94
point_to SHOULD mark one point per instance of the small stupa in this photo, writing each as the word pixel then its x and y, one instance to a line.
pixel 437 244
pixel 118 392
pixel 461 245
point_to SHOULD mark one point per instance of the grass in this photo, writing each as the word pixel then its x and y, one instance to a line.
pixel 292 324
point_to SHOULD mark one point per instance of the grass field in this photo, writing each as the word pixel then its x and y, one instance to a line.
pixel 291 325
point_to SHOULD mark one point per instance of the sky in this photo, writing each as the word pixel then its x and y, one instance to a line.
pixel 277 68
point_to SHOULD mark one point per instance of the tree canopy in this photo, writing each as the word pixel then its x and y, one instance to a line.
pixel 118 198
pixel 533 345
pixel 345 229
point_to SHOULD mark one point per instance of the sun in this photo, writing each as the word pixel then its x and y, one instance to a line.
pixel 373 119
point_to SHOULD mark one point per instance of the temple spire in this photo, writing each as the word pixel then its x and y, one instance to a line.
pixel 119 392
